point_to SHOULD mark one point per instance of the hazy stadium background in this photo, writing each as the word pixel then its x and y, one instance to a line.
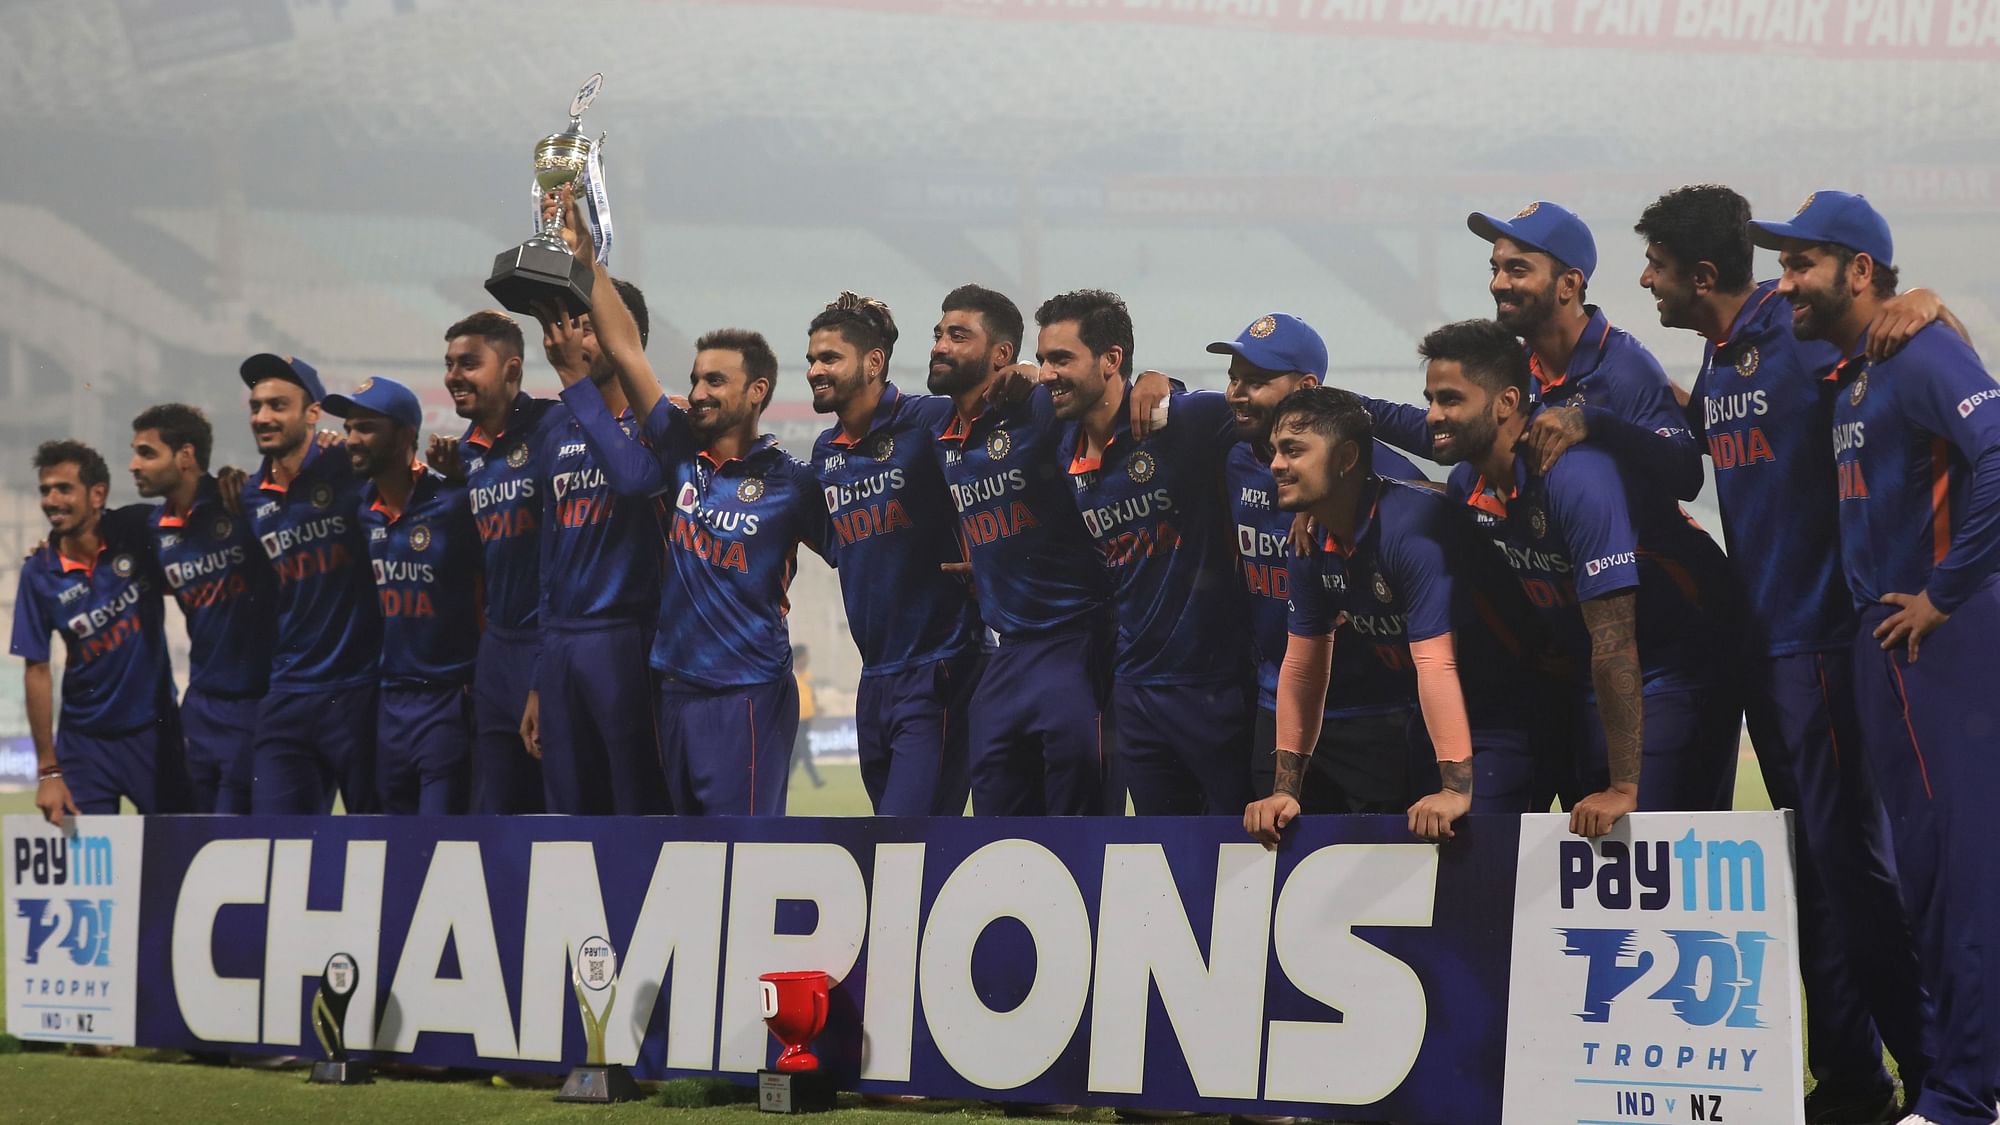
pixel 189 182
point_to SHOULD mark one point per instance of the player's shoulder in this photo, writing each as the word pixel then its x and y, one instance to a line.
pixel 1584 467
pixel 1459 482
pixel 1936 349
pixel 1389 464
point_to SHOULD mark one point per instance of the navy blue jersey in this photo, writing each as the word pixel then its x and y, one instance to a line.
pixel 329 633
pixel 1262 545
pixel 1033 561
pixel 426 560
pixel 893 529
pixel 1610 375
pixel 227 593
pixel 1764 409
pixel 1917 437
pixel 732 542
pixel 1586 531
pixel 1155 508
pixel 111 616
pixel 1418 569
pixel 506 488
pixel 600 549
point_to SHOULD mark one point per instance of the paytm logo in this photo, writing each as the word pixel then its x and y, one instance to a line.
pixel 60 861
pixel 1716 978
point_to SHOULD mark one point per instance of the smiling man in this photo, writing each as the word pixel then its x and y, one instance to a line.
pixel 92 583
pixel 316 728
pixel 508 486
pixel 1365 759
pixel 1916 442
pixel 895 542
pixel 212 562
pixel 425 556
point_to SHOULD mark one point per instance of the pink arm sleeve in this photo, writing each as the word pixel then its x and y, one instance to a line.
pixel 1439 696
pixel 1302 680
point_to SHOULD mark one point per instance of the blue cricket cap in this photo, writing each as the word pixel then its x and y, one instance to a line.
pixel 1839 217
pixel 266 365
pixel 386 397
pixel 1278 342
pixel 1549 227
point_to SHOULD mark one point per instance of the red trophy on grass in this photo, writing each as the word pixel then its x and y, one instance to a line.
pixel 795 1006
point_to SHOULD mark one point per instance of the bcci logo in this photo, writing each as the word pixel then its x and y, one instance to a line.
pixel 883 448
pixel 517 456
pixel 1746 364
pixel 1538 522
pixel 322 495
pixel 1859 390
pixel 122 566
pixel 1141 466
pixel 222 528
pixel 750 490
pixel 365 384
pixel 998 445
pixel 1528 210
pixel 1806 204
pixel 1382 592
pixel 420 539
pixel 1264 327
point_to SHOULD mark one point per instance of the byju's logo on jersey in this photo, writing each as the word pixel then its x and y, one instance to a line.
pixel 1971 403
pixel 686 501
pixel 998 444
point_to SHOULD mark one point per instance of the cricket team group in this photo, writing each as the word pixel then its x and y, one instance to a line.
pixel 1073 587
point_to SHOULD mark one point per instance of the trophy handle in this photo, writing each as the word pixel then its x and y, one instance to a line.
pixel 820 1005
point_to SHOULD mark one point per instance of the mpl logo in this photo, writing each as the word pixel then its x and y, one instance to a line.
pixel 80 927
pixel 1718 977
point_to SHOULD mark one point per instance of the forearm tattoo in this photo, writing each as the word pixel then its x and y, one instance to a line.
pixel 1457 776
pixel 1291 771
pixel 1614 672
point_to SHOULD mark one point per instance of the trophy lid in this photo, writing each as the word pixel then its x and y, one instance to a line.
pixel 586 95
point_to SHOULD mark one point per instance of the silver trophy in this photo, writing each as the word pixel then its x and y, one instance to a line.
pixel 542 270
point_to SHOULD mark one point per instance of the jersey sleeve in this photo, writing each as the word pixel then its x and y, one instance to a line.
pixel 1944 390
pixel 31 622
pixel 1406 427
pixel 1414 562
pixel 1312 611
pixel 1589 513
pixel 632 468
pixel 1642 424
pixel 1391 465
pixel 1209 420
pixel 815 525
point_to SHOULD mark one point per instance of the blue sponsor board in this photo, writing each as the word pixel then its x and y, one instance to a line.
pixel 1156 962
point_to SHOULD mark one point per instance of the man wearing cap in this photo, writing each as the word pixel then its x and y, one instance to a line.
pixel 211 561
pixel 425 554
pixel 1583 368
pixel 1916 442
pixel 1763 408
pixel 92 581
pixel 507 488
pixel 1364 760
pixel 1180 675
pixel 316 727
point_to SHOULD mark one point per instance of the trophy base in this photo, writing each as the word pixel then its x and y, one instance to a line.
pixel 538 272
pixel 345 1073
pixel 801 1091
pixel 600 1085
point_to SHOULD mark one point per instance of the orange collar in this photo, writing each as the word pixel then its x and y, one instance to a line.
pixel 417 470
pixel 1494 505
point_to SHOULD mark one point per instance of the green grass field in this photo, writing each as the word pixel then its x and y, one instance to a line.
pixel 55 1085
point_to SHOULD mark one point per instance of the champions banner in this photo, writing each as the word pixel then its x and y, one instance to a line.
pixel 1516 974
